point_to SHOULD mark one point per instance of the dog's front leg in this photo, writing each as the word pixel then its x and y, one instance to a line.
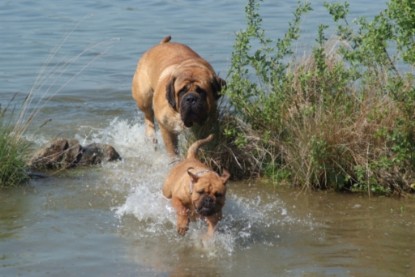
pixel 182 216
pixel 212 221
pixel 170 141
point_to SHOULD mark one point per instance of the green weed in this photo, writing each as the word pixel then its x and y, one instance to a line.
pixel 341 117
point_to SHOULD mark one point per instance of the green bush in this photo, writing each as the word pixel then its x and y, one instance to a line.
pixel 342 117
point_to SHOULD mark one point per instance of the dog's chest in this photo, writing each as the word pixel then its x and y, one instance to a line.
pixel 173 122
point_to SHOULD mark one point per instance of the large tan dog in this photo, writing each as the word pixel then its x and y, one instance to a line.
pixel 196 190
pixel 176 86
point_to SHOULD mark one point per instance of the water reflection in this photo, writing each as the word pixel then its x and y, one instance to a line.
pixel 369 236
pixel 14 202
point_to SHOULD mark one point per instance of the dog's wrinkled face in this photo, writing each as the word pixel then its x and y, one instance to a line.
pixel 209 191
pixel 194 106
pixel 193 93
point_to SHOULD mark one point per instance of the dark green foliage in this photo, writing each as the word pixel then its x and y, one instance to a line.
pixel 340 118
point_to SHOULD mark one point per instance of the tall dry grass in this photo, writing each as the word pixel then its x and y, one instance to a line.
pixel 339 133
pixel 236 146
pixel 12 152
pixel 56 73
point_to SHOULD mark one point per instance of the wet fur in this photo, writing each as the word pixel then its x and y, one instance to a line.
pixel 177 87
pixel 196 191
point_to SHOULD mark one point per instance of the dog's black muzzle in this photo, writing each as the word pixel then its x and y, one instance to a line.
pixel 193 108
pixel 207 206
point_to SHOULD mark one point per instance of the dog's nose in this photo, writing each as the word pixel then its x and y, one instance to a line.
pixel 208 201
pixel 190 99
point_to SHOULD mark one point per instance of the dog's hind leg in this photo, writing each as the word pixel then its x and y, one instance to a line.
pixel 143 94
pixel 150 127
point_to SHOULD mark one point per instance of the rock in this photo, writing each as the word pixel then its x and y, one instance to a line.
pixel 72 154
pixel 97 153
pixel 67 153
pixel 60 153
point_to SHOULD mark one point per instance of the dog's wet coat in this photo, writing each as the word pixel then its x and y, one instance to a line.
pixel 196 190
pixel 177 87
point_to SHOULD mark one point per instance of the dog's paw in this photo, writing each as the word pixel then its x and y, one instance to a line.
pixel 182 230
pixel 153 141
pixel 155 144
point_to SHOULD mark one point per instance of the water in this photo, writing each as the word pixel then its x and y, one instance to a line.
pixel 112 220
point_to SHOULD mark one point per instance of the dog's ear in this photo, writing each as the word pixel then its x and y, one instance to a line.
pixel 194 177
pixel 218 84
pixel 171 94
pixel 225 176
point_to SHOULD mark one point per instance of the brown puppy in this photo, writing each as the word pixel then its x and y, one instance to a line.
pixel 196 190
pixel 176 86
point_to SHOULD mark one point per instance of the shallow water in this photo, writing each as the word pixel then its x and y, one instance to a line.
pixel 112 220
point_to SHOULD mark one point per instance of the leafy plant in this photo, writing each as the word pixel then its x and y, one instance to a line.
pixel 340 118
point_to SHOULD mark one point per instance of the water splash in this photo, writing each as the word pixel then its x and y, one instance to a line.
pixel 144 213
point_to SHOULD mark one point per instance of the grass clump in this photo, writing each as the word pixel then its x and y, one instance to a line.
pixel 341 117
pixel 236 147
pixel 12 153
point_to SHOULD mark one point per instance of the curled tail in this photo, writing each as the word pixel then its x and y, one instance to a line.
pixel 191 153
pixel 165 39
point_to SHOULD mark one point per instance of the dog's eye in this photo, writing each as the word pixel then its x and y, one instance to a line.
pixel 182 91
pixel 200 91
pixel 218 194
pixel 202 191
